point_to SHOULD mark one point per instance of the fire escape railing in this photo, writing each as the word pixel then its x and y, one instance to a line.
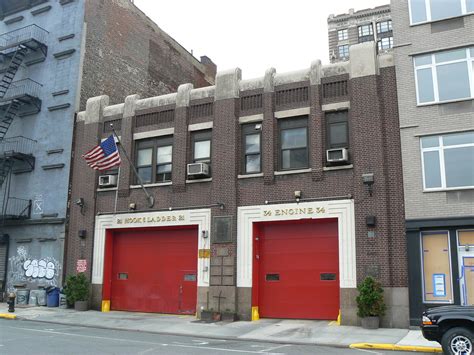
pixel 23 35
pixel 25 87
pixel 16 208
pixel 17 145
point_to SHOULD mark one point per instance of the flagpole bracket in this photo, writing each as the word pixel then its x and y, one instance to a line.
pixel 151 201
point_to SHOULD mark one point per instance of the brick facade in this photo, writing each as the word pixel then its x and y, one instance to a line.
pixel 373 144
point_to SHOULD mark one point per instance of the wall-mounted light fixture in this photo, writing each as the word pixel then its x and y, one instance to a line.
pixel 132 206
pixel 298 195
pixel 80 202
pixel 82 233
pixel 368 180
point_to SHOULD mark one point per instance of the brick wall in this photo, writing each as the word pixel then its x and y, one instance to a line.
pixel 126 52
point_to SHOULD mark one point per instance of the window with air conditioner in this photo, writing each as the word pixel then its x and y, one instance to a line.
pixel 200 166
pixel 154 159
pixel 337 137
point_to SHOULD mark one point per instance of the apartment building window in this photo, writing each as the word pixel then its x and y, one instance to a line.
pixel 366 33
pixel 384 26
pixel 448 161
pixel 201 141
pixel 337 132
pixel 251 144
pixel 385 43
pixel 436 267
pixel 293 143
pixel 154 159
pixel 343 51
pixel 445 76
pixel 433 10
pixel 343 34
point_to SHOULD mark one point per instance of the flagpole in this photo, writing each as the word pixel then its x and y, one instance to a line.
pixel 150 199
pixel 116 192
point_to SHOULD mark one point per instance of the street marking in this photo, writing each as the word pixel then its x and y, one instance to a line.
pixel 370 351
pixel 274 348
pixel 141 342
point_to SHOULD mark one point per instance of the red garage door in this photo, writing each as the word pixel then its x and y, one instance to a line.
pixel 298 269
pixel 155 271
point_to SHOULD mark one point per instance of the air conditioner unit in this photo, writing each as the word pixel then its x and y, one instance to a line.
pixel 198 169
pixel 108 180
pixel 338 155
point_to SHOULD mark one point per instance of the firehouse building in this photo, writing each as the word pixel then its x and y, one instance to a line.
pixel 274 197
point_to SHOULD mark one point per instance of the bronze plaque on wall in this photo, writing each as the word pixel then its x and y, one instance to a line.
pixel 221 229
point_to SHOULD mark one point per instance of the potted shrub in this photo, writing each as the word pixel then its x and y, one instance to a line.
pixel 77 291
pixel 370 303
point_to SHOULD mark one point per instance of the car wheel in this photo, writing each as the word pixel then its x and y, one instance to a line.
pixel 458 341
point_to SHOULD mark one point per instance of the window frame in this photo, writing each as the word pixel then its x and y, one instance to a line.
pixel 336 120
pixel 469 59
pixel 292 123
pixel 434 231
pixel 339 50
pixel 378 26
pixel 154 144
pixel 428 15
pixel 345 34
pixel 247 130
pixel 390 43
pixel 201 136
pixel 368 37
pixel 440 149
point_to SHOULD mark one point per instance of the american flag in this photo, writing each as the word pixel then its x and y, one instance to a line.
pixel 104 156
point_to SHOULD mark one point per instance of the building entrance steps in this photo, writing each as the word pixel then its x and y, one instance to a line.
pixel 268 330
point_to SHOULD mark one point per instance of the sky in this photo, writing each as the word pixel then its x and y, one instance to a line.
pixel 253 35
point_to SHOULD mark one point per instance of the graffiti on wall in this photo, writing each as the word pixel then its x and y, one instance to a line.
pixel 26 269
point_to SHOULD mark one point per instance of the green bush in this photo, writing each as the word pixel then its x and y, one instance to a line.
pixel 76 288
pixel 370 301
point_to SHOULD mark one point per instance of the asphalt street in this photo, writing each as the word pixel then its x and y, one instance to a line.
pixel 29 337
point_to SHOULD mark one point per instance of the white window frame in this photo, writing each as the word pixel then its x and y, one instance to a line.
pixel 339 51
pixel 440 149
pixel 433 65
pixel 428 12
pixel 423 270
pixel 390 43
pixel 345 34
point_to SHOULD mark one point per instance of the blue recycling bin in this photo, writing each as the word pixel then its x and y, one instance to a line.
pixel 52 299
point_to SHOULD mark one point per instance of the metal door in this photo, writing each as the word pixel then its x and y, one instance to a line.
pixel 466 266
pixel 298 269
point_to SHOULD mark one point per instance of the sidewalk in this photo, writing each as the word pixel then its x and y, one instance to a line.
pixel 269 330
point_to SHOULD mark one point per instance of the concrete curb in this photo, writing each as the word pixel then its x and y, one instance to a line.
pixel 7 316
pixel 395 347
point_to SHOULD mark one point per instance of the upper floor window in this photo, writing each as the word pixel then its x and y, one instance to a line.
pixel 154 159
pixel 385 43
pixel 445 76
pixel 201 141
pixel 337 129
pixel 366 33
pixel 343 51
pixel 252 152
pixel 448 161
pixel 342 34
pixel 385 26
pixel 293 143
pixel 433 10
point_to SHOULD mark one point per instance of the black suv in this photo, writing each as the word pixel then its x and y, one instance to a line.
pixel 452 327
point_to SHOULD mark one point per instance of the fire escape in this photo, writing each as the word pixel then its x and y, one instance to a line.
pixel 18 97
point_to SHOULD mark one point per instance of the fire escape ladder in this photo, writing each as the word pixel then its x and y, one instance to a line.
pixel 8 117
pixel 6 166
pixel 13 67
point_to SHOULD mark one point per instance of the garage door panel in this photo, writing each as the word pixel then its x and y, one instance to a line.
pixel 293 257
pixel 155 263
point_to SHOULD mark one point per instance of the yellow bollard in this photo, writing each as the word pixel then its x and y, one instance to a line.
pixel 106 306
pixel 339 318
pixel 255 315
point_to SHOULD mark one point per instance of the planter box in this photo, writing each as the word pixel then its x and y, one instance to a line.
pixel 229 316
pixel 370 322
pixel 81 306
pixel 210 316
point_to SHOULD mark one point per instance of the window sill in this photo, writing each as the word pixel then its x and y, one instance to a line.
pixel 198 180
pixel 152 185
pixel 249 176
pixel 445 102
pixel 440 20
pixel 107 189
pixel 339 167
pixel 449 189
pixel 289 172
